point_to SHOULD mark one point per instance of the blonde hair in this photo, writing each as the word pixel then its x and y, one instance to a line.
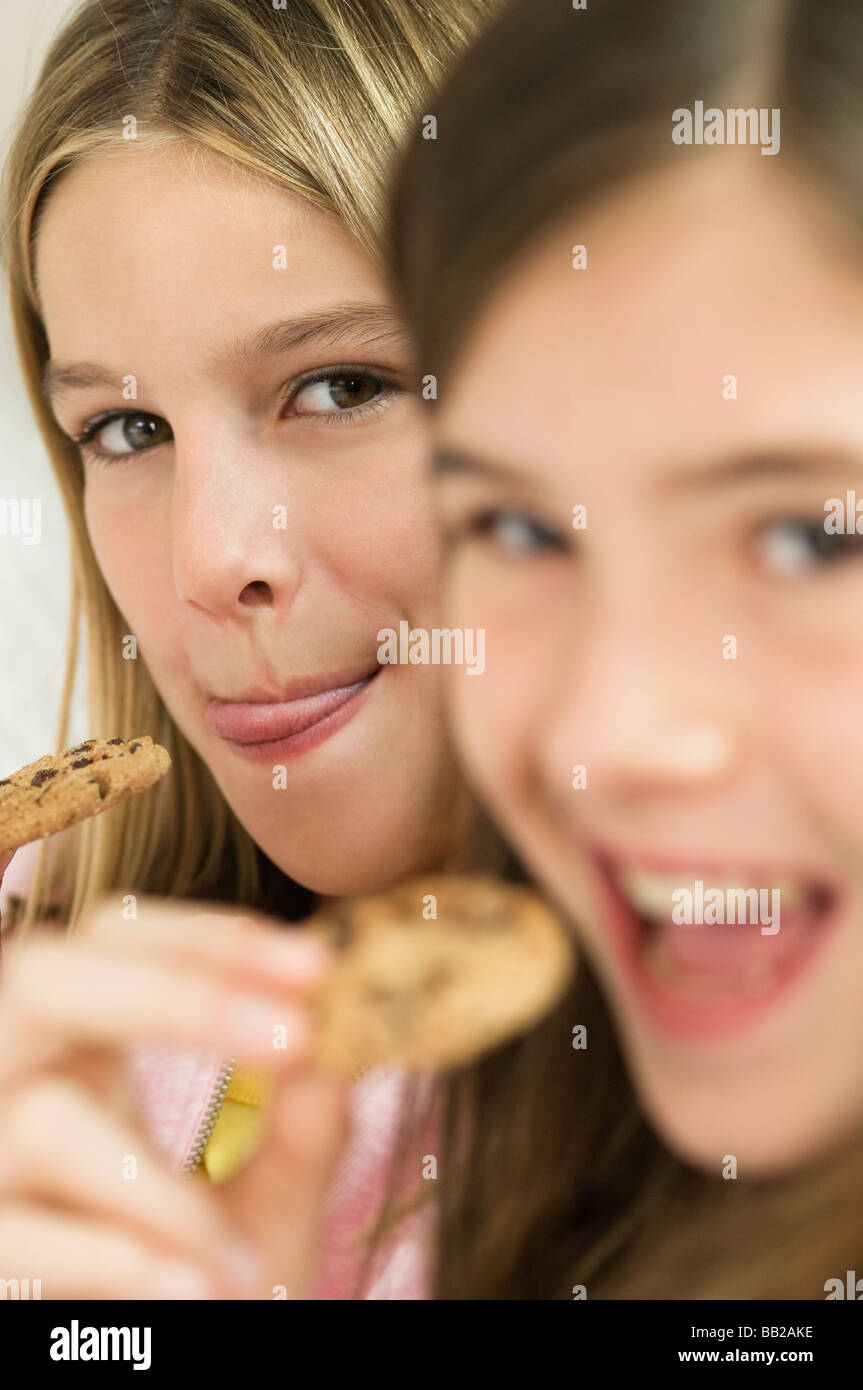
pixel 315 96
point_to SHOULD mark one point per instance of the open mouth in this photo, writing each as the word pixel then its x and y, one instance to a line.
pixel 704 952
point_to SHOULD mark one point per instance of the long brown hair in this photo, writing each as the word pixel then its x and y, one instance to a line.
pixel 315 97
pixel 560 1182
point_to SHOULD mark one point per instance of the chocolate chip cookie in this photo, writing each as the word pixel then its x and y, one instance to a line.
pixel 56 792
pixel 436 972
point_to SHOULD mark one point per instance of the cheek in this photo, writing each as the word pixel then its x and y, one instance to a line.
pixel 495 713
pixel 405 519
pixel 801 687
pixel 131 549
pixel 382 536
pixel 822 734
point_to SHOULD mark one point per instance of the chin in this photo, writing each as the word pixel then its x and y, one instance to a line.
pixel 711 1153
pixel 372 870
pixel 707 1135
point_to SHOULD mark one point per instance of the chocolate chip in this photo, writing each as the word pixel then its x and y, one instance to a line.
pixel 82 747
pixel 133 747
pixel 43 776
pixel 82 762
pixel 6 782
pixel 105 755
pixel 116 740
pixel 101 785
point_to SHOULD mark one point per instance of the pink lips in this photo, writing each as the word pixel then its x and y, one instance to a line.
pixel 268 727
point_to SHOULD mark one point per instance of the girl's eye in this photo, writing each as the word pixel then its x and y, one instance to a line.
pixel 790 548
pixel 338 394
pixel 515 534
pixel 337 397
pixel 123 434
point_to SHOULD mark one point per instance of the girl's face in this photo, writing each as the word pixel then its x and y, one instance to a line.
pixel 674 683
pixel 254 496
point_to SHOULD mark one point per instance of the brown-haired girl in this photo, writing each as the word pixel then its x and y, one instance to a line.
pixel 647 335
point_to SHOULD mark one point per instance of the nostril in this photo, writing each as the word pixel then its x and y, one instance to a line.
pixel 256 593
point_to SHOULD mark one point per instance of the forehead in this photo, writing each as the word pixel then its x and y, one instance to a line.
pixel 691 276
pixel 152 236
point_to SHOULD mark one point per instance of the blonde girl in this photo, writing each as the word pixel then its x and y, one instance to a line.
pixel 193 212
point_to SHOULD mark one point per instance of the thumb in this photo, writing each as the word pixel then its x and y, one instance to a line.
pixel 5 860
pixel 276 1204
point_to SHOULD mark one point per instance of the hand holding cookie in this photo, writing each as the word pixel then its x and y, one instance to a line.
pixel 427 975
pixel 194 976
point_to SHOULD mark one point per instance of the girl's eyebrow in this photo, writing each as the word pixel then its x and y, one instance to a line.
pixel 367 326
pixel 777 461
pixel 450 459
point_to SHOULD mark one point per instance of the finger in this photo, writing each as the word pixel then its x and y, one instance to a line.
pixel 57 994
pixel 75 1257
pixel 277 1201
pixel 5 860
pixel 105 1168
pixel 244 943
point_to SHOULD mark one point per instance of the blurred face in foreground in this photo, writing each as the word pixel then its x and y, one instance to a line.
pixel 668 725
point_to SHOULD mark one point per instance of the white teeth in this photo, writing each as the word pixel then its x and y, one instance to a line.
pixel 653 895
pixel 789 895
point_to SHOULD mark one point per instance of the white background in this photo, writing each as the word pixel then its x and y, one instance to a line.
pixel 34 580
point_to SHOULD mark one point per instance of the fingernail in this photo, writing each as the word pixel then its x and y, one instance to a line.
pixel 181 1280
pixel 265 1025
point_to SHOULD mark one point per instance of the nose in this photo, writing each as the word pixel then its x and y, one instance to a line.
pixel 234 539
pixel 645 703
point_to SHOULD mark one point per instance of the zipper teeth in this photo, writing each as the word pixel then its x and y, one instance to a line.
pixel 211 1115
